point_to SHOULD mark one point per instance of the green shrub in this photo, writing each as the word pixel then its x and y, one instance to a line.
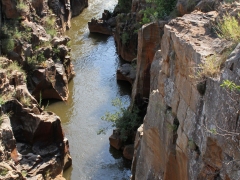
pixel 157 9
pixel 49 24
pixel 3 172
pixel 124 119
pixel 7 45
pixel 22 6
pixel 124 6
pixel 230 85
pixel 125 37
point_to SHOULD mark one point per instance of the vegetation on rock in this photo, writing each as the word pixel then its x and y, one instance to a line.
pixel 157 9
pixel 22 6
pixel 228 28
pixel 230 85
pixel 125 120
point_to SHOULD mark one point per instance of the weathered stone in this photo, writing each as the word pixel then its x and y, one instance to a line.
pixel 51 82
pixel 56 41
pixel 115 140
pixel 128 151
pixel 99 26
pixel 126 72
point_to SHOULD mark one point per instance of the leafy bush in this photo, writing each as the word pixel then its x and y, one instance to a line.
pixel 22 6
pixel 49 23
pixel 125 37
pixel 228 28
pixel 157 9
pixel 14 66
pixel 124 119
pixel 7 45
pixel 35 60
pixel 230 85
pixel 124 6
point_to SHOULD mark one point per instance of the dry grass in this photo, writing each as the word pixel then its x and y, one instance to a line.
pixel 228 28
pixel 15 67
pixel 209 68
pixel 25 101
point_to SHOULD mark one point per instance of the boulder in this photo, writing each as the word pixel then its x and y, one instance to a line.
pixel 128 151
pixel 99 26
pixel 50 82
pixel 115 140
pixel 126 72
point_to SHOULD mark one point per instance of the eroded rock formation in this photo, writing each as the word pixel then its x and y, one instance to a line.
pixel 32 140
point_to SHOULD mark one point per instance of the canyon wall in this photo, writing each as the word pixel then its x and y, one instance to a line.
pixel 191 129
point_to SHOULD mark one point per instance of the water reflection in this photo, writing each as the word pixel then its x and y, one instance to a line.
pixel 91 93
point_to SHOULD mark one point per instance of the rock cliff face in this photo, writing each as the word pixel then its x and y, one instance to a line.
pixel 77 6
pixel 191 129
pixel 52 75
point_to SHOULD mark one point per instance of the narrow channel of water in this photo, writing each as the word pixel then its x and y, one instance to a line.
pixel 91 92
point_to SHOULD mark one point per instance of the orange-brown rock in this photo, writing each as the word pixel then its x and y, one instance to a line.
pixel 188 134
pixel 115 140
pixel 128 151
pixel 149 39
pixel 9 8
pixel 50 82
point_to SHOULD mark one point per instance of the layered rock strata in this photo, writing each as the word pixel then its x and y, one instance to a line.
pixel 191 128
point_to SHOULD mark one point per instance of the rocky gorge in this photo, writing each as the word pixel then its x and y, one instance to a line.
pixel 190 129
pixel 35 65
pixel 187 119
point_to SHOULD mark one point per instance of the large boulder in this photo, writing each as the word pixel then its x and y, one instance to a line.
pixel 50 82
pixel 126 72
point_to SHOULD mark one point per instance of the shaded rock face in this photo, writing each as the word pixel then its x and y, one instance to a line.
pixel 50 82
pixel 187 134
pixel 149 39
pixel 125 36
pixel 9 8
pixel 126 72
pixel 77 6
pixel 55 84
pixel 62 8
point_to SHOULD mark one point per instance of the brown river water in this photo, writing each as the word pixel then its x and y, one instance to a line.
pixel 91 92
